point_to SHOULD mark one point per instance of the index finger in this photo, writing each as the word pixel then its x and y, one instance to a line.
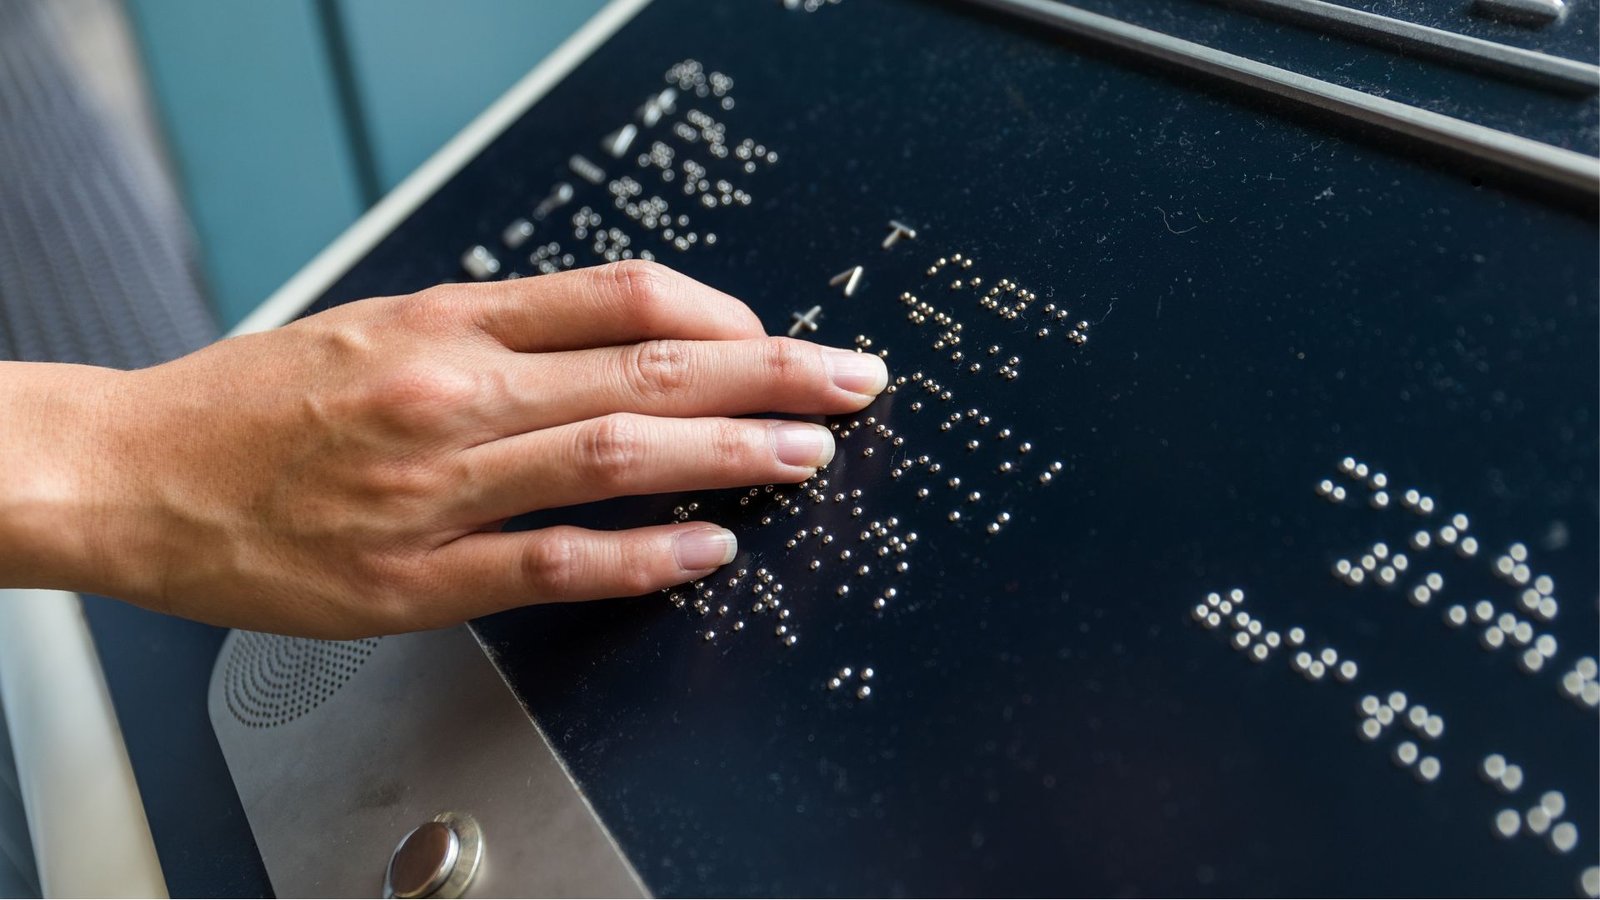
pixel 620 303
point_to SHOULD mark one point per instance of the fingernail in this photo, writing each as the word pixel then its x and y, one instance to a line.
pixel 705 548
pixel 799 444
pixel 858 373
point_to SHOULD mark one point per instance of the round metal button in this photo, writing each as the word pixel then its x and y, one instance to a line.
pixel 423 861
pixel 437 859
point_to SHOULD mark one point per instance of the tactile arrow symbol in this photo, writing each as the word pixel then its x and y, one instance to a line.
pixel 850 278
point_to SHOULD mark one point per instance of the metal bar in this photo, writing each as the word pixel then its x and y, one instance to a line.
pixel 1555 166
pixel 1457 49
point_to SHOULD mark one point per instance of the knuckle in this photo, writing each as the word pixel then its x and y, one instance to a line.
pixel 435 310
pixel 637 575
pixel 611 447
pixel 642 285
pixel 660 368
pixel 731 447
pixel 788 361
pixel 550 565
pixel 425 392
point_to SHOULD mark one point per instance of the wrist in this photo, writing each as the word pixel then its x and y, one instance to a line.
pixel 52 474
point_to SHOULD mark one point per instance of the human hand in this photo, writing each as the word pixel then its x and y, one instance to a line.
pixel 348 474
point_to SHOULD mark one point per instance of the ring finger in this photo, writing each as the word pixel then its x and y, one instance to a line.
pixel 626 454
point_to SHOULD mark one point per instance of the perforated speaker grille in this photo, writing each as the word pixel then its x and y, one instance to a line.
pixel 271 679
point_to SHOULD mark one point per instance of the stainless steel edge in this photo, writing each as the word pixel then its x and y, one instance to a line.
pixel 1554 166
pixel 1469 52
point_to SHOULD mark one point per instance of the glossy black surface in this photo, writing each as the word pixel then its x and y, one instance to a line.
pixel 1267 293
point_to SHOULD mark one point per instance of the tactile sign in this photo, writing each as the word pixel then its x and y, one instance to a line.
pixel 1229 524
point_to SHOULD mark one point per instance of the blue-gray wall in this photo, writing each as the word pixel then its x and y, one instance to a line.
pixel 286 118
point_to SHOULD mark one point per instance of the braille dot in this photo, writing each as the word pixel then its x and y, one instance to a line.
pixel 1564 837
pixel 1371 729
pixel 1420 595
pixel 1316 670
pixel 1241 640
pixel 1347 671
pixel 864 692
pixel 1385 716
pixel 1518 552
pixel 1590 881
pixel 1405 753
pixel 1587 668
pixel 1272 639
pixel 1369 704
pixel 1538 820
pixel 1428 768
pixel 1259 653
pixel 1421 540
pixel 1511 780
pixel 1297 636
pixel 1507 823
pixel 1483 611
pixel 1494 766
pixel 1433 727
pixel 1554 803
pixel 1493 638
pixel 867 673
pixel 1213 620
pixel 1397 701
pixel 834 684
pixel 1468 546
pixel 1329 656
pixel 1572 684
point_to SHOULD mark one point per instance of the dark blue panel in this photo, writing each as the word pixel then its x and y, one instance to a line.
pixel 1265 292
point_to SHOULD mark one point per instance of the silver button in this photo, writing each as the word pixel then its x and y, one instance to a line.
pixel 437 859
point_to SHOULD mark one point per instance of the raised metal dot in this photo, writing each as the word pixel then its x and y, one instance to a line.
pixel 1511 780
pixel 1564 837
pixel 1507 823
pixel 1537 819
pixel 1428 768
pixel 1554 803
pixel 1493 767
